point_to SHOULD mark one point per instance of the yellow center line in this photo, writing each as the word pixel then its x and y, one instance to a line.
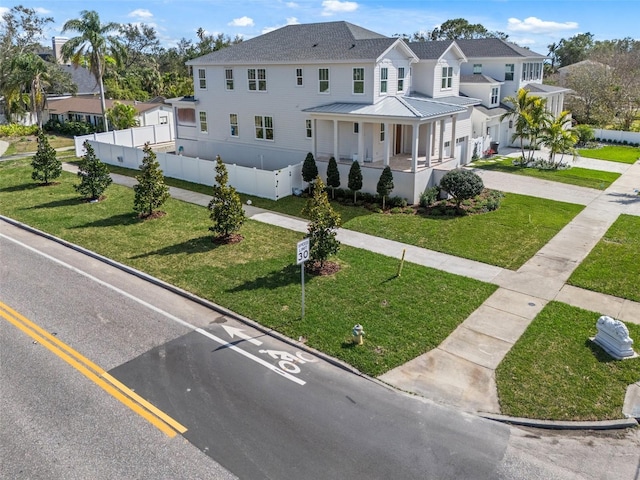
pixel 152 414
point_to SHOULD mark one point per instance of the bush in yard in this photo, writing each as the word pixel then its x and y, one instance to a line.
pixel 225 206
pixel 309 170
pixel 385 184
pixel 461 184
pixel 94 175
pixel 323 225
pixel 151 191
pixel 333 176
pixel 17 130
pixel 355 179
pixel 46 166
pixel 429 196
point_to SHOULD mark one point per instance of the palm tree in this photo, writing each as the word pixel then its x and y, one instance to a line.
pixel 558 136
pixel 31 76
pixel 529 114
pixel 93 44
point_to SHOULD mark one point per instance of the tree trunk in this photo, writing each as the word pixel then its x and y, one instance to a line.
pixel 102 100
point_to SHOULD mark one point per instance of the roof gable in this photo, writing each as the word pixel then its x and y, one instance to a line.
pixel 306 42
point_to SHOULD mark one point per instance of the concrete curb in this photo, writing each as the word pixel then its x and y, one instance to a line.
pixel 547 424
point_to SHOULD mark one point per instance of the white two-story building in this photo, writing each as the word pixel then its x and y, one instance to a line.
pixel 338 90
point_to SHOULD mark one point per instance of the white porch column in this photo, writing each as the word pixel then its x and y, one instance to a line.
pixel 361 143
pixel 387 143
pixel 429 143
pixel 415 142
pixel 335 140
pixel 314 138
pixel 453 135
pixel 441 142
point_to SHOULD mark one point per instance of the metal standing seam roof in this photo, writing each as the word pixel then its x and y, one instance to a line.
pixel 406 107
pixel 478 78
pixel 305 42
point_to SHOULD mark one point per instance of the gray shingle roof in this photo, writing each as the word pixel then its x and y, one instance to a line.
pixel 542 88
pixel 430 50
pixel 307 42
pixel 83 78
pixel 478 78
pixel 494 47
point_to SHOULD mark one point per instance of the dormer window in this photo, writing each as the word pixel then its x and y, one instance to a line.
pixel 447 77
pixel 477 68
pixel 384 76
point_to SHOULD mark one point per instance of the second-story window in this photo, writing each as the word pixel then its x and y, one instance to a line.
pixel 299 77
pixel 323 80
pixel 233 123
pixel 494 96
pixel 531 71
pixel 228 75
pixel 447 77
pixel 384 77
pixel 202 78
pixel 477 68
pixel 257 79
pixel 401 79
pixel 203 122
pixel 509 68
pixel 358 80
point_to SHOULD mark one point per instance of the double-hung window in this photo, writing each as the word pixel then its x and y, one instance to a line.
pixel 202 78
pixel 228 75
pixel 384 76
pixel 401 79
pixel 509 70
pixel 264 127
pixel 257 79
pixel 382 132
pixel 299 82
pixel 494 96
pixel 358 80
pixel 309 128
pixel 323 80
pixel 203 122
pixel 233 124
pixel 447 77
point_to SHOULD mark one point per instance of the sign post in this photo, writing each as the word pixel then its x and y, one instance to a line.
pixel 303 256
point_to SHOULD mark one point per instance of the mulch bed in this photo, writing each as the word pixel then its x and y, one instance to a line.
pixel 228 239
pixel 152 216
pixel 328 268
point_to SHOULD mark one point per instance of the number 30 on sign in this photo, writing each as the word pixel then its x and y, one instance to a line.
pixel 303 251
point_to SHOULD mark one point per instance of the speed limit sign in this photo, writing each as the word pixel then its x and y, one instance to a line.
pixel 303 251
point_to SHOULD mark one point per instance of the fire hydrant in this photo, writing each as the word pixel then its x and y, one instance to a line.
pixel 358 333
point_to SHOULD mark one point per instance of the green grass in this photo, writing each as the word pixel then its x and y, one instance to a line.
pixel 613 153
pixel 581 177
pixel 29 143
pixel 403 317
pixel 507 237
pixel 613 266
pixel 555 372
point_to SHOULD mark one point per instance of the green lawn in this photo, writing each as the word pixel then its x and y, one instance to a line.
pixel 403 317
pixel 29 143
pixel 613 266
pixel 507 237
pixel 613 153
pixel 582 177
pixel 555 372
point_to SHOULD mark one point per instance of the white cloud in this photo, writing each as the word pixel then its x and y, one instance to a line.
pixel 331 7
pixel 290 21
pixel 535 25
pixel 292 5
pixel 141 13
pixel 42 11
pixel 3 10
pixel 242 22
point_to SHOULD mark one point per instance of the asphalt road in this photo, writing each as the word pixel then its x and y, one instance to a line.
pixel 255 406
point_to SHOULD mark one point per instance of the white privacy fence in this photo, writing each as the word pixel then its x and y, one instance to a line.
pixel 617 135
pixel 252 181
pixel 132 137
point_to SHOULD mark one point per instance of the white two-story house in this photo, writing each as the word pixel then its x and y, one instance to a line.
pixel 336 90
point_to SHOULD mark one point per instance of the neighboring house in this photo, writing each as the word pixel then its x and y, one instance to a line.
pixel 336 89
pixel 84 109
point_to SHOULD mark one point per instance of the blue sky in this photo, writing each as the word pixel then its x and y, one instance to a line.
pixel 531 23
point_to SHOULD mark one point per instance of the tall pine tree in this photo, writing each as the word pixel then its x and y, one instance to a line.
pixel 225 206
pixel 323 225
pixel 333 175
pixel 94 175
pixel 151 192
pixel 46 166
pixel 355 179
pixel 385 184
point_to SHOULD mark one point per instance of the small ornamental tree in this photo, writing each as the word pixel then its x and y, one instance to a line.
pixel 323 225
pixel 226 210
pixel 151 192
pixel 333 175
pixel 355 179
pixel 94 175
pixel 309 170
pixel 385 184
pixel 46 166
pixel 122 116
pixel 461 184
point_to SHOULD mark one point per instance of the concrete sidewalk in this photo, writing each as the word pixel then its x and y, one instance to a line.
pixel 460 372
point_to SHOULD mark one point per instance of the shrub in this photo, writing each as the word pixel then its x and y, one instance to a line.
pixel 94 175
pixel 71 129
pixel 309 170
pixel 585 134
pixel 397 202
pixel 385 184
pixel 225 206
pixel 355 179
pixel 46 166
pixel 461 184
pixel 333 176
pixel 17 130
pixel 151 191
pixel 429 196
